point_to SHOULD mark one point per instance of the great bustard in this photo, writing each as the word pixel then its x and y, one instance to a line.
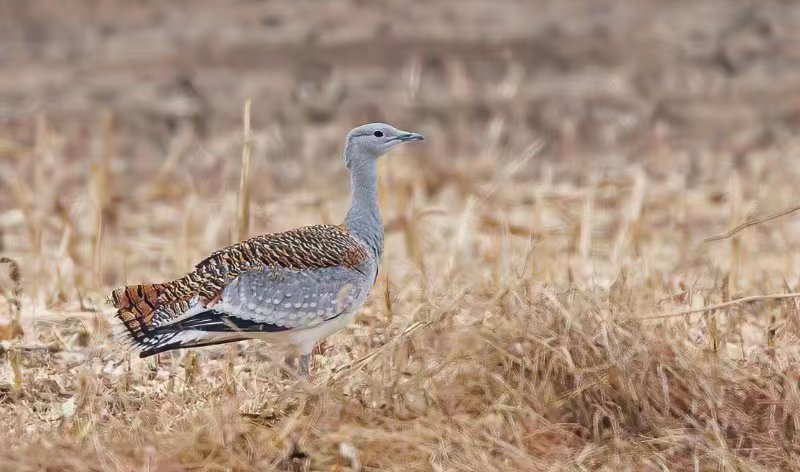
pixel 294 288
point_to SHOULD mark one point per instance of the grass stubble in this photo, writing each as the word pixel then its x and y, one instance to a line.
pixel 521 322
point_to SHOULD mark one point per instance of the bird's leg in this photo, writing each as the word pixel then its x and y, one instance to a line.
pixel 303 364
pixel 298 364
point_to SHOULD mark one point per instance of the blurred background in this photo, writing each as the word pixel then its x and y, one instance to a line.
pixel 589 79
pixel 577 154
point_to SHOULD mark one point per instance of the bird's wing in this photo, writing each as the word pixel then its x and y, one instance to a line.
pixel 262 300
pixel 143 308
pixel 271 299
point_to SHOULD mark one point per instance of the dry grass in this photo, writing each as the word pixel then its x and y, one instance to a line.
pixel 529 240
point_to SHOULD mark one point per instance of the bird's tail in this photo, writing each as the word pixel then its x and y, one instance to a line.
pixel 136 307
pixel 138 310
pixel 163 340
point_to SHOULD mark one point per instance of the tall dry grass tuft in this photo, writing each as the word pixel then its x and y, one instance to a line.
pixel 101 192
pixel 12 328
pixel 243 206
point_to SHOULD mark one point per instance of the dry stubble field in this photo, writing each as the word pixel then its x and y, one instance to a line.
pixel 578 154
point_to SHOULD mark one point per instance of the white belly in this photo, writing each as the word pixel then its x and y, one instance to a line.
pixel 304 339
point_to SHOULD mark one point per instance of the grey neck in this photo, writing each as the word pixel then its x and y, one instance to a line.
pixel 364 217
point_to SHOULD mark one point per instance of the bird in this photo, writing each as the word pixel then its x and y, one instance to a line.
pixel 292 288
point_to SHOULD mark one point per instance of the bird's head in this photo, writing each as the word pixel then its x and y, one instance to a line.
pixel 370 141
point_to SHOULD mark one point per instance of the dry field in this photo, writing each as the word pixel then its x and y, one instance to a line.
pixel 541 243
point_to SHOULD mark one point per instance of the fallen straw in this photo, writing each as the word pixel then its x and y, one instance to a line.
pixel 738 301
pixel 750 223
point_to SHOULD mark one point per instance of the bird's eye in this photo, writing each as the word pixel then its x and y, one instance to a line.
pixel 378 134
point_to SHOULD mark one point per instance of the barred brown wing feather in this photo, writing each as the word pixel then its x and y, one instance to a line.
pixel 136 306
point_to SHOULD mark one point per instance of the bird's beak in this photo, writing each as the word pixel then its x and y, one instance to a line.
pixel 405 137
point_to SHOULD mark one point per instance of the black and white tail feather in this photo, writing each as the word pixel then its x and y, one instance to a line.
pixel 199 326
pixel 162 340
